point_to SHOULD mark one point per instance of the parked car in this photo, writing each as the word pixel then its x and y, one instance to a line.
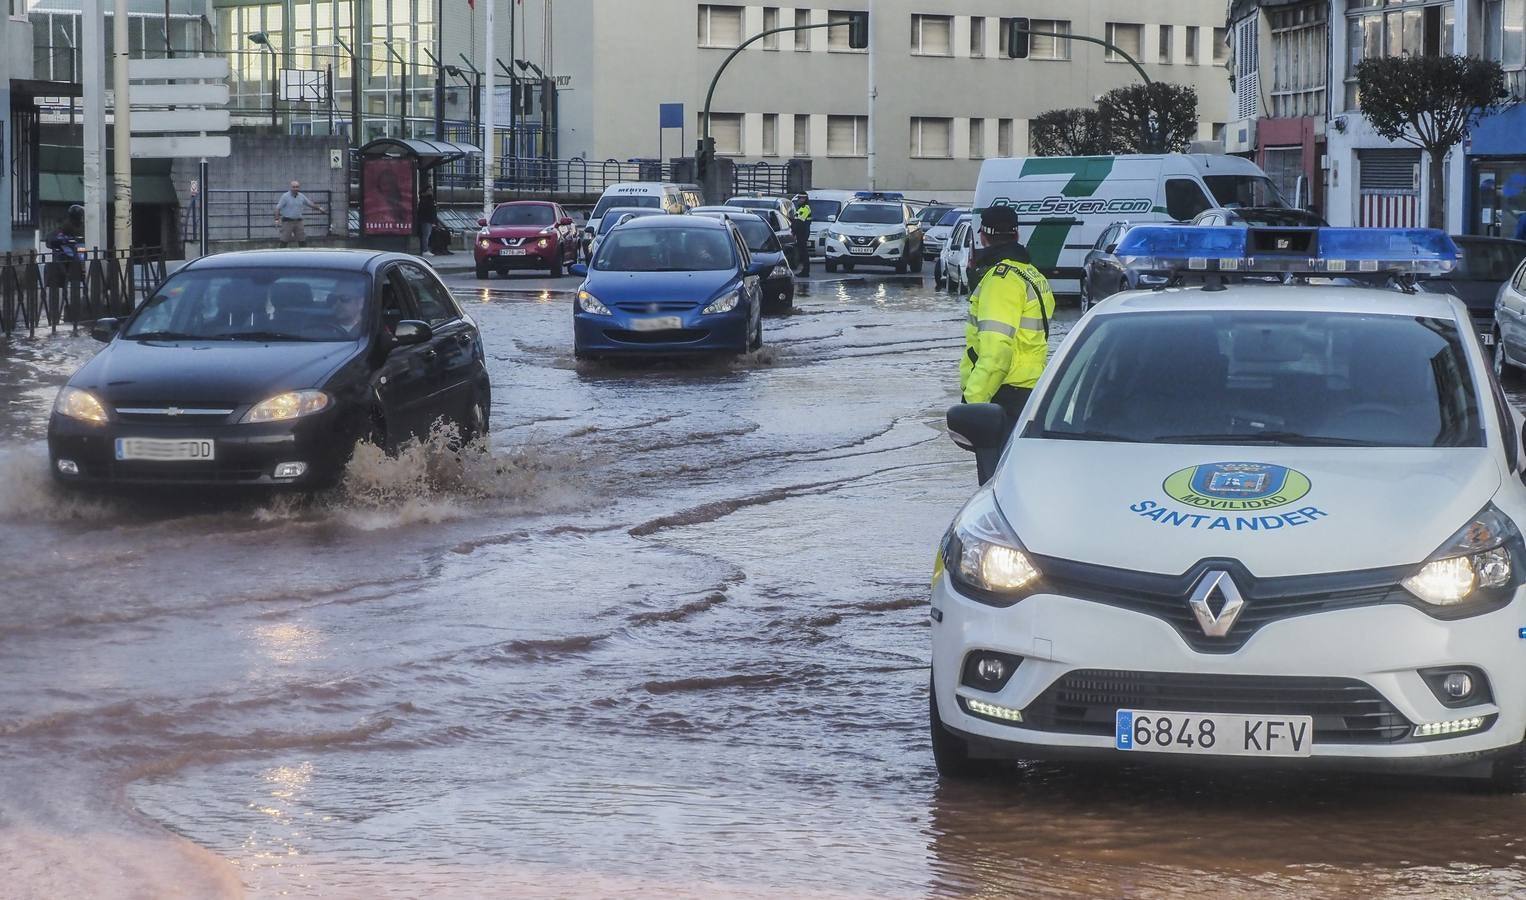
pixel 1103 273
pixel 1485 268
pixel 929 215
pixel 784 205
pixel 614 216
pixel 526 234
pixel 265 367
pixel 777 220
pixel 953 268
pixel 825 206
pixel 1284 217
pixel 769 262
pixel 670 198
pixel 882 232
pixel 937 234
pixel 669 285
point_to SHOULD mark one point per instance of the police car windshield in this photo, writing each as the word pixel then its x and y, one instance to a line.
pixel 871 214
pixel 665 250
pixel 820 209
pixel 1244 190
pixel 1255 377
pixel 645 202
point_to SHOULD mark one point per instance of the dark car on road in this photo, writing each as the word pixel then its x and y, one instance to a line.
pixel 1103 273
pixel 266 367
pixel 667 285
pixel 526 234
pixel 1484 265
pixel 769 261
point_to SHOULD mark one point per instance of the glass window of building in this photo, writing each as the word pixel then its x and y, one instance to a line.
pixel 932 35
pixel 1126 36
pixel 1042 46
pixel 977 37
pixel 847 135
pixel 931 137
pixel 719 26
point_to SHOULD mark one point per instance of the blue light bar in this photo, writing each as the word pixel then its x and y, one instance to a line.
pixel 1337 252
pixel 879 195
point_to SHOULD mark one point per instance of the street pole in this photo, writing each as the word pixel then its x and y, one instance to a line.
pixel 121 143
pixel 513 92
pixel 354 92
pixel 93 77
pixel 873 93
pixel 206 208
pixel 487 118
pixel 439 71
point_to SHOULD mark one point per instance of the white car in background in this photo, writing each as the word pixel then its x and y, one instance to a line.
pixel 952 270
pixel 937 234
pixel 879 230
pixel 826 205
pixel 1255 524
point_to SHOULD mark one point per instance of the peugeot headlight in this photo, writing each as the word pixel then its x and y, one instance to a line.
pixel 588 303
pixel 781 271
pixel 79 404
pixel 290 405
pixel 983 556
pixel 724 303
pixel 1477 557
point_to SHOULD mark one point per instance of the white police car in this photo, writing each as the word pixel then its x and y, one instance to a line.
pixel 1274 522
pixel 878 229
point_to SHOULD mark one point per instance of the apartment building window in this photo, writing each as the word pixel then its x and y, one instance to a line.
pixel 1220 46
pixel 770 134
pixel 837 38
pixel 1163 48
pixel 719 26
pixel 770 22
pixel 1004 137
pixel 977 139
pixel 1192 57
pixel 1125 36
pixel 802 38
pixel 802 137
pixel 1045 47
pixel 932 35
pixel 932 137
pixel 1299 69
pixel 847 135
pixel 977 37
pixel 1504 39
pixel 1399 28
pixel 726 130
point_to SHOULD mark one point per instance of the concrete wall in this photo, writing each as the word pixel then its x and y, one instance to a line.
pixel 266 162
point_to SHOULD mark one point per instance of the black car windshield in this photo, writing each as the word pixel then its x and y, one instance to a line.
pixel 1488 260
pixel 1257 377
pixel 820 209
pixel 753 202
pixel 872 214
pixel 666 250
pixel 524 215
pixel 647 201
pixel 932 215
pixel 1244 190
pixel 617 215
pixel 266 304
pixel 951 218
pixel 759 237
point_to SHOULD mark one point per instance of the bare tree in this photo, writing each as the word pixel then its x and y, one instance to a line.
pixel 1150 118
pixel 1430 102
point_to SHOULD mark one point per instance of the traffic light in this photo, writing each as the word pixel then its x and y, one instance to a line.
pixel 858 31
pixel 1017 38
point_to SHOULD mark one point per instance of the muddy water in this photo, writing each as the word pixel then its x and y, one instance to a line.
pixel 666 638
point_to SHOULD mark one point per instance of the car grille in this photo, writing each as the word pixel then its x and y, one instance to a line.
pixel 1266 599
pixel 1344 710
pixel 201 413
pixel 673 336
pixel 863 241
pixel 656 307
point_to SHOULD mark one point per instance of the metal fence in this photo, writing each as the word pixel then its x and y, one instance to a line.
pixel 239 215
pixel 37 292
pixel 525 175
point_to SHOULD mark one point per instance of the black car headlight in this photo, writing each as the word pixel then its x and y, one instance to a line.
pixel 984 558
pixel 82 405
pixel 1476 561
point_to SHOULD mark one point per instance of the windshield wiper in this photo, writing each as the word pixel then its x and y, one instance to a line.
pixel 257 336
pixel 1290 438
pixel 164 336
pixel 1087 436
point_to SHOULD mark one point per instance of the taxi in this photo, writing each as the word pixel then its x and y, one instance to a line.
pixel 1266 516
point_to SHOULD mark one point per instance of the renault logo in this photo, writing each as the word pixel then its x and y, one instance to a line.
pixel 1218 582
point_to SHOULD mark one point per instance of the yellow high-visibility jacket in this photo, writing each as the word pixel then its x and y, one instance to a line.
pixel 1006 340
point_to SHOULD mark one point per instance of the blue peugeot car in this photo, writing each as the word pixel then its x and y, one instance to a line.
pixel 667 285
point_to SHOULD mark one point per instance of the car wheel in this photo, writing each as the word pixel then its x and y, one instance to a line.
pixel 475 426
pixel 951 753
pixel 1502 367
pixel 481 271
pixel 556 265
pixel 1086 297
pixel 831 266
pixel 938 280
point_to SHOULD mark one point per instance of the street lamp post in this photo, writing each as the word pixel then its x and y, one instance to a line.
pixel 545 109
pixel 261 39
pixel 402 92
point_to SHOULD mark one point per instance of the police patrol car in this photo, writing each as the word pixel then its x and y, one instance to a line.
pixel 1272 518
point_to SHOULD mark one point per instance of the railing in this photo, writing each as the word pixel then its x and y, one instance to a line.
pixel 763 178
pixel 249 215
pixel 38 292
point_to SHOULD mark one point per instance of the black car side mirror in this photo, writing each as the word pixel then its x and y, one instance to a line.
pixel 105 329
pixel 977 426
pixel 411 331
pixel 1110 248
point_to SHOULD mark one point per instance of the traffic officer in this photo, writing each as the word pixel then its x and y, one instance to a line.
pixel 801 225
pixel 1007 336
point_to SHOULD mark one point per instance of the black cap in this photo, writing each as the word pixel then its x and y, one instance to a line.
pixel 76 211
pixel 998 218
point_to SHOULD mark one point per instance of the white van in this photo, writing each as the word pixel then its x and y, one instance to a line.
pixel 825 205
pixel 1064 202
pixel 645 194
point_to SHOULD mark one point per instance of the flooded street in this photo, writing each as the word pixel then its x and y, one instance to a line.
pixel 668 638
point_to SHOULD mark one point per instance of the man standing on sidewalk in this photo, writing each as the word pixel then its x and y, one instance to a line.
pixel 289 209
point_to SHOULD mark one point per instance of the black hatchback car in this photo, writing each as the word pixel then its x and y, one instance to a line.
pixel 266 367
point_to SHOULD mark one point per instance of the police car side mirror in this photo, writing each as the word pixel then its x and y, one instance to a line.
pixel 831 218
pixel 977 426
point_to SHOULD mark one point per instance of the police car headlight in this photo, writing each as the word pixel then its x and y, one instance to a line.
pixel 724 303
pixel 892 238
pixel 1480 556
pixel 588 303
pixel 984 558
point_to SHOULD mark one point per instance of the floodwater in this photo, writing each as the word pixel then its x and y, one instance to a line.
pixel 667 638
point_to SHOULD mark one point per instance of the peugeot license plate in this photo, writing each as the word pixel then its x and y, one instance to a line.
pixel 657 323
pixel 1214 734
pixel 512 251
pixel 158 450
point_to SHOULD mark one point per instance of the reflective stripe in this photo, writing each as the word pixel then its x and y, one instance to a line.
pixel 974 321
pixel 1031 324
pixel 1000 327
